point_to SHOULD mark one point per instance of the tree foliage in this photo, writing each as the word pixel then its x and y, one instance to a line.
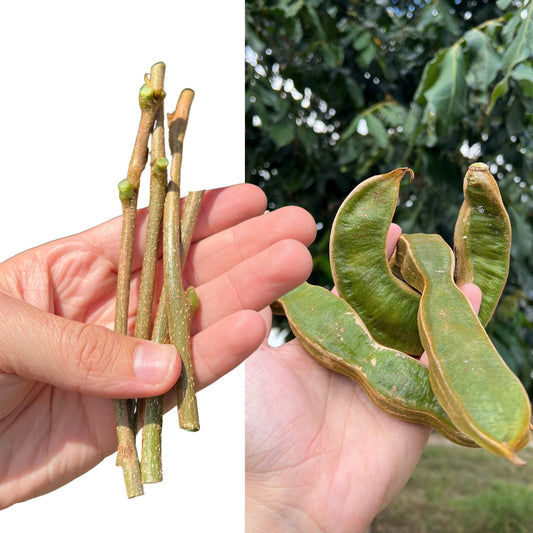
pixel 337 91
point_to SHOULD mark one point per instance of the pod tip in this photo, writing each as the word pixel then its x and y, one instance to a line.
pixel 478 167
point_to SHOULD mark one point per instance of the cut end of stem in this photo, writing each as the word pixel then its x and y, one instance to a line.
pixel 177 121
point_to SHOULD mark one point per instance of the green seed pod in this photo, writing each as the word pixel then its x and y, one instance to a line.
pixel 334 335
pixel 482 238
pixel 361 273
pixel 480 394
pixel 125 190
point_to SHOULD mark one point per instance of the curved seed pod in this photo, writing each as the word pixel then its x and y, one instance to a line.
pixel 481 395
pixel 361 273
pixel 333 334
pixel 482 238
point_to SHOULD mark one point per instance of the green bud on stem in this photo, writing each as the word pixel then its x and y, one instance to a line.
pixel 125 190
pixel 160 166
pixel 193 298
pixel 146 97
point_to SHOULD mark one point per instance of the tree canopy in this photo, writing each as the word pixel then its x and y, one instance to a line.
pixel 338 91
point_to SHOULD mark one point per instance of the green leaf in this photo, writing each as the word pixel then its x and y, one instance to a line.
pixel 486 62
pixel 522 242
pixel 527 87
pixel 317 23
pixel 366 56
pixel 290 8
pixel 503 4
pixel 351 129
pixel 253 40
pixel 282 133
pixel 413 122
pixel 447 94
pixel 430 119
pixel 437 14
pixel 523 74
pixel 393 114
pixel 512 20
pixel 348 151
pixel 524 71
pixel 521 46
pixel 514 118
pixel 308 138
pixel 333 55
pixel 377 130
pixel 362 40
pixel 355 92
pixel 430 75
pixel 499 90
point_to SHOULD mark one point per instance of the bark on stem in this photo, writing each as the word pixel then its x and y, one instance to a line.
pixel 151 460
pixel 150 97
pixel 126 453
pixel 158 187
pixel 181 304
pixel 151 409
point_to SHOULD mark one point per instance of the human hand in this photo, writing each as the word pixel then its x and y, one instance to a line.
pixel 320 456
pixel 60 364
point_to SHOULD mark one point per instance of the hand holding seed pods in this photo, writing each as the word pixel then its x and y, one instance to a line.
pixel 467 393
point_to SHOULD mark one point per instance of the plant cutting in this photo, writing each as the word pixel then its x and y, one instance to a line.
pixel 175 304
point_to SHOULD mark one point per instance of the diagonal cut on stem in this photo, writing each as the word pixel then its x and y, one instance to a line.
pixel 181 303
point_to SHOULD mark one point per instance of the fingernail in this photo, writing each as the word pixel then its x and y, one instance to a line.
pixel 152 361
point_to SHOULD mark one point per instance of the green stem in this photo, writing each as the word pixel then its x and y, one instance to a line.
pixel 185 392
pixel 151 409
pixel 181 304
pixel 151 463
pixel 158 186
pixel 191 211
pixel 126 452
pixel 150 97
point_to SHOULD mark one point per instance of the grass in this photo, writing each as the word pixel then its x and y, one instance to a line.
pixel 462 490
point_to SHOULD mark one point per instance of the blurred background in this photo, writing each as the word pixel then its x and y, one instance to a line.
pixel 339 91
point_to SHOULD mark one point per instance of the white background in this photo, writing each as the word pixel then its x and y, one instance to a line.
pixel 69 82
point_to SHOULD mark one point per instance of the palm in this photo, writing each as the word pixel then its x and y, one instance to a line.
pixel 319 454
pixel 238 263
pixel 75 279
pixel 310 427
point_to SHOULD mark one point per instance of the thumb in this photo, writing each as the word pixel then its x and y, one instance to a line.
pixel 40 346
